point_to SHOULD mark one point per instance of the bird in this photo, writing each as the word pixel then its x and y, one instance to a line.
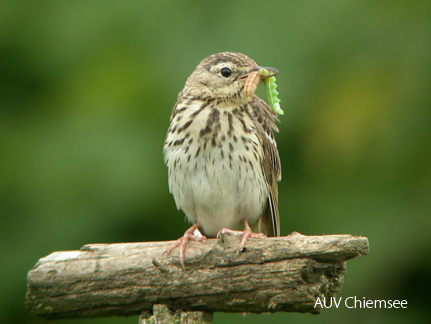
pixel 222 157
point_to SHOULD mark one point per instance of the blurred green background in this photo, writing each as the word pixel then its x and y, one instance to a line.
pixel 87 88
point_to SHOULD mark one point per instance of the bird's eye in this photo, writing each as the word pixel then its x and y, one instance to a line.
pixel 226 72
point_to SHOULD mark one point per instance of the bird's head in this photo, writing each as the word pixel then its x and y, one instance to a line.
pixel 221 76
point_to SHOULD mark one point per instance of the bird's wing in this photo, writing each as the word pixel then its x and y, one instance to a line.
pixel 269 222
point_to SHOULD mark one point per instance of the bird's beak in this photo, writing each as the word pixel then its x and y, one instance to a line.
pixel 270 69
pixel 257 68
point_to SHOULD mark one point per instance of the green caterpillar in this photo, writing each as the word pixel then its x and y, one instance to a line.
pixel 271 91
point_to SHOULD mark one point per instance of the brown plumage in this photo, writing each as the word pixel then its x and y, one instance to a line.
pixel 221 153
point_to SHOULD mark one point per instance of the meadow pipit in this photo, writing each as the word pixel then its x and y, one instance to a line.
pixel 221 153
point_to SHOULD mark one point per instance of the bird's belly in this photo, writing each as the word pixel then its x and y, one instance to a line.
pixel 220 188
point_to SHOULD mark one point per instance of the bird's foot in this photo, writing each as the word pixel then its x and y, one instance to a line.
pixel 182 243
pixel 245 234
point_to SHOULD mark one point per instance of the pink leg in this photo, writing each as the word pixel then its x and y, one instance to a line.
pixel 244 234
pixel 182 242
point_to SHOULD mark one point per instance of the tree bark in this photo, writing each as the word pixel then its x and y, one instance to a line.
pixel 163 315
pixel 272 275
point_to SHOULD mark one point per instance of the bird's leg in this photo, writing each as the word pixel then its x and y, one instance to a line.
pixel 245 234
pixel 248 233
pixel 182 242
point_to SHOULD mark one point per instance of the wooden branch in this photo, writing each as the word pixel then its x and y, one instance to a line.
pixel 162 314
pixel 275 274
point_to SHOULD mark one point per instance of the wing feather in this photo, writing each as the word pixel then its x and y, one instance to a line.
pixel 269 222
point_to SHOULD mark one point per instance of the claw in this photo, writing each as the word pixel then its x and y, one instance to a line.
pixel 182 242
pixel 245 234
